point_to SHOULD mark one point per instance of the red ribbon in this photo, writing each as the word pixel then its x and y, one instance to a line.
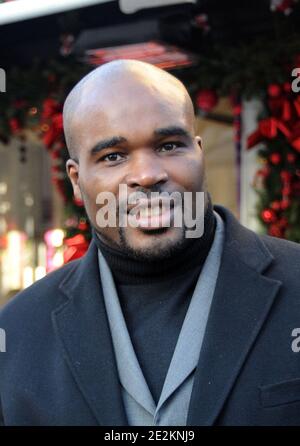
pixel 267 129
pixel 55 130
pixel 76 247
pixel 285 119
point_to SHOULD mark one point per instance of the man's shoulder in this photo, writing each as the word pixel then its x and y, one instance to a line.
pixel 39 298
pixel 281 248
pixel 286 259
pixel 281 257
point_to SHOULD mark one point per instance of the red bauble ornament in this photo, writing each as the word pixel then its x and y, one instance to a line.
pixel 268 216
pixel 77 202
pixel 264 172
pixel 291 157
pixel 57 121
pixel 50 107
pixel 286 191
pixel 55 154
pixel 48 138
pixel 275 158
pixel 285 175
pixel 287 87
pixel 14 125
pixel 285 203
pixel 283 222
pixel 82 226
pixel 274 90
pixel 276 205
pixel 237 110
pixel 275 231
pixel 206 100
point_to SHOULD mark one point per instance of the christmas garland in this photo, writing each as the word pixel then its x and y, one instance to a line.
pixel 34 99
pixel 264 70
pixel 278 181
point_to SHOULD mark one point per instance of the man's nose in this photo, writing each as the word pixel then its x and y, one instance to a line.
pixel 146 170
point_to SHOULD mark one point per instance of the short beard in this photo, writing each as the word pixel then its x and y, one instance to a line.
pixel 161 251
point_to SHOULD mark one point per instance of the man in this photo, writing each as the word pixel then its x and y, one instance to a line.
pixel 152 327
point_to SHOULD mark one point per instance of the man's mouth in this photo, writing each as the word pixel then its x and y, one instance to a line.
pixel 152 214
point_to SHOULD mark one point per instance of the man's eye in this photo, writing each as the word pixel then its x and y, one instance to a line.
pixel 112 157
pixel 169 146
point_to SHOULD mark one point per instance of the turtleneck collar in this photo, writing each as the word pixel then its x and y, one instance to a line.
pixel 129 270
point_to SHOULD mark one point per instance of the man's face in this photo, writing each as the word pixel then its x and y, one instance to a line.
pixel 145 140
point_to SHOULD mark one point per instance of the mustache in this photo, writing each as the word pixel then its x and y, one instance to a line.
pixel 142 194
pixel 156 188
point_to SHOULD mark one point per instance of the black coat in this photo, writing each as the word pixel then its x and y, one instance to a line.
pixel 59 367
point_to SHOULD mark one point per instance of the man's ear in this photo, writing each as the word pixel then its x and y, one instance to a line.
pixel 199 141
pixel 72 168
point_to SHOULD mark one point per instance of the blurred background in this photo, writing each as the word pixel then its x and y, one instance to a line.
pixel 237 58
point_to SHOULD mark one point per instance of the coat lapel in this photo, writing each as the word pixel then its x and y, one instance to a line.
pixel 82 328
pixel 242 300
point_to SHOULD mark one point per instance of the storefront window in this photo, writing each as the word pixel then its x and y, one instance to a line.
pixel 30 209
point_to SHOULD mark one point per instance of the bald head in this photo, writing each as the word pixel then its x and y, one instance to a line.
pixel 122 80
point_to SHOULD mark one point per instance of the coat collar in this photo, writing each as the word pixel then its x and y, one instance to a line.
pixel 242 301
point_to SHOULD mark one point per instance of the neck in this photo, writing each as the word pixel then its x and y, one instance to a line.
pixel 128 270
